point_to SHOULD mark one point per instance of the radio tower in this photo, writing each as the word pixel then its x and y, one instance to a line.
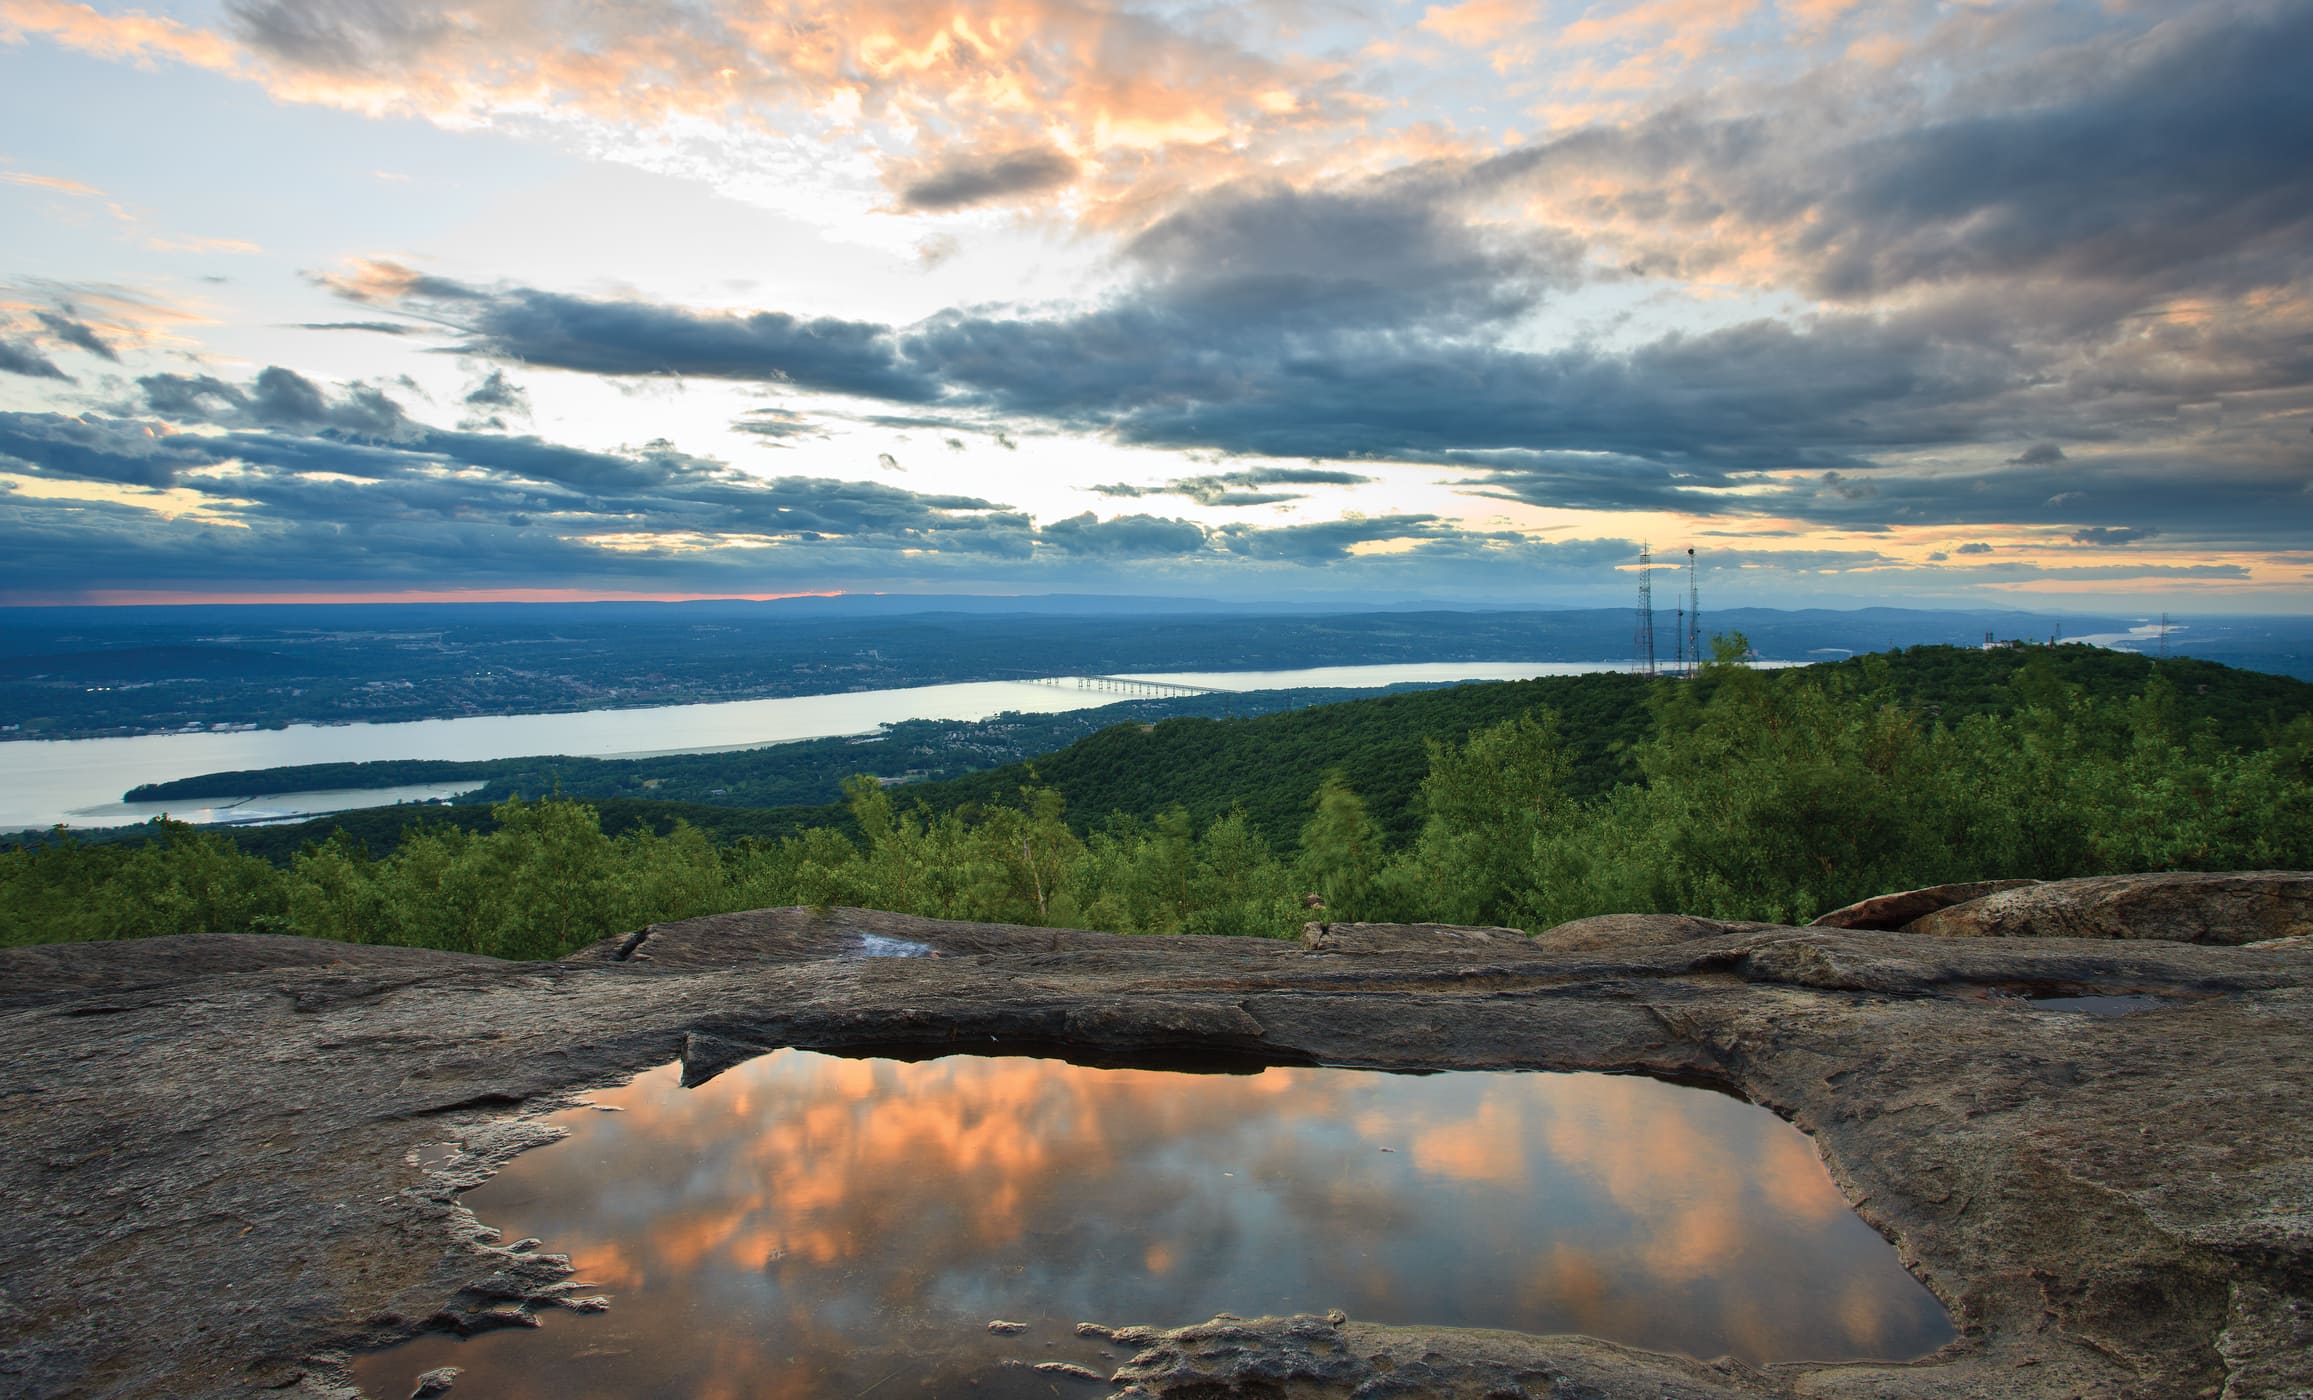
pixel 1643 663
pixel 1694 639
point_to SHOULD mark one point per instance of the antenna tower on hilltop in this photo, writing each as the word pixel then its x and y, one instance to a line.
pixel 1694 638
pixel 1643 662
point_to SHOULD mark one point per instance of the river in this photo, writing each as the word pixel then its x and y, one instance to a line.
pixel 79 782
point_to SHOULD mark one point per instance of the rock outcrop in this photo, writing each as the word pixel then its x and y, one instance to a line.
pixel 1893 911
pixel 2182 908
pixel 226 1165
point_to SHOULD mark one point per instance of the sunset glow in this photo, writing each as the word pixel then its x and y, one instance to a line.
pixel 1926 302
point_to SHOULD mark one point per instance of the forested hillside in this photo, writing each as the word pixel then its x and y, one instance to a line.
pixel 1268 767
pixel 1743 794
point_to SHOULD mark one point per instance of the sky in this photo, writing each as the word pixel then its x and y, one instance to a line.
pixel 1900 302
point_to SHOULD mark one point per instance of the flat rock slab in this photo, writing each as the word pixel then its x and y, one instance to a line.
pixel 224 1167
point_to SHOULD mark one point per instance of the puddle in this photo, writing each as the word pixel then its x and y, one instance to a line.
pixel 808 1225
pixel 2097 1005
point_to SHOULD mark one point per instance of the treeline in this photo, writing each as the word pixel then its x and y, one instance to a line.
pixel 1267 768
pixel 1753 795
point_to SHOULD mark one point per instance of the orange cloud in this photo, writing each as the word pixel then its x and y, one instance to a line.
pixel 135 36
pixel 1475 23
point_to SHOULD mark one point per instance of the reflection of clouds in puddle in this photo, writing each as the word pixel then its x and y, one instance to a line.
pixel 803 1220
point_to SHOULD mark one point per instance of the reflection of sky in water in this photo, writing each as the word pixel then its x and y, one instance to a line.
pixel 808 1225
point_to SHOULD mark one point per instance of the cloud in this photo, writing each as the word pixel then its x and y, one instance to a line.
pixel 65 329
pixel 1813 419
pixel 955 109
pixel 1126 537
pixel 373 327
pixel 965 180
pixel 492 399
pixel 1974 547
pixel 2106 534
pixel 777 427
pixel 276 397
pixel 638 338
pixel 17 357
pixel 1222 489
pixel 2039 454
pixel 1329 540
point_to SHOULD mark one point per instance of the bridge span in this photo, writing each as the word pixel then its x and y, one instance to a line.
pixel 1128 685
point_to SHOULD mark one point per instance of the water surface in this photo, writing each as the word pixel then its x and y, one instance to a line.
pixel 79 782
pixel 808 1225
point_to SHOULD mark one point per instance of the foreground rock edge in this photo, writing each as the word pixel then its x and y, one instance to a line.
pixel 1995 1152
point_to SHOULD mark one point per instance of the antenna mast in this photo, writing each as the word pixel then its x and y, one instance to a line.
pixel 1694 618
pixel 1643 663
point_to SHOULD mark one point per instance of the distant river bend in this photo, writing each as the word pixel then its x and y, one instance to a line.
pixel 78 782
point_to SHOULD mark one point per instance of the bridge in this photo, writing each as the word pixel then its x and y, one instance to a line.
pixel 1126 685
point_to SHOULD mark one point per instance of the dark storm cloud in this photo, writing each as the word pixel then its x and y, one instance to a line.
pixel 17 357
pixel 968 180
pixel 65 329
pixel 2039 454
pixel 1126 537
pixel 2111 534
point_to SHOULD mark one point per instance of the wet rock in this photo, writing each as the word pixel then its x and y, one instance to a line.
pixel 1094 1329
pixel 1435 939
pixel 436 1382
pixel 2185 908
pixel 1315 1356
pixel 1893 911
pixel 2110 1207
pixel 1007 1329
pixel 1070 1369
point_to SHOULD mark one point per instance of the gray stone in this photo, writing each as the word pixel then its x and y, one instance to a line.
pixel 1893 911
pixel 2232 909
pixel 1447 939
pixel 1609 932
pixel 2109 1206
pixel 436 1382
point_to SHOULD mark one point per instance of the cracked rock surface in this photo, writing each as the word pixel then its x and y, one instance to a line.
pixel 226 1163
